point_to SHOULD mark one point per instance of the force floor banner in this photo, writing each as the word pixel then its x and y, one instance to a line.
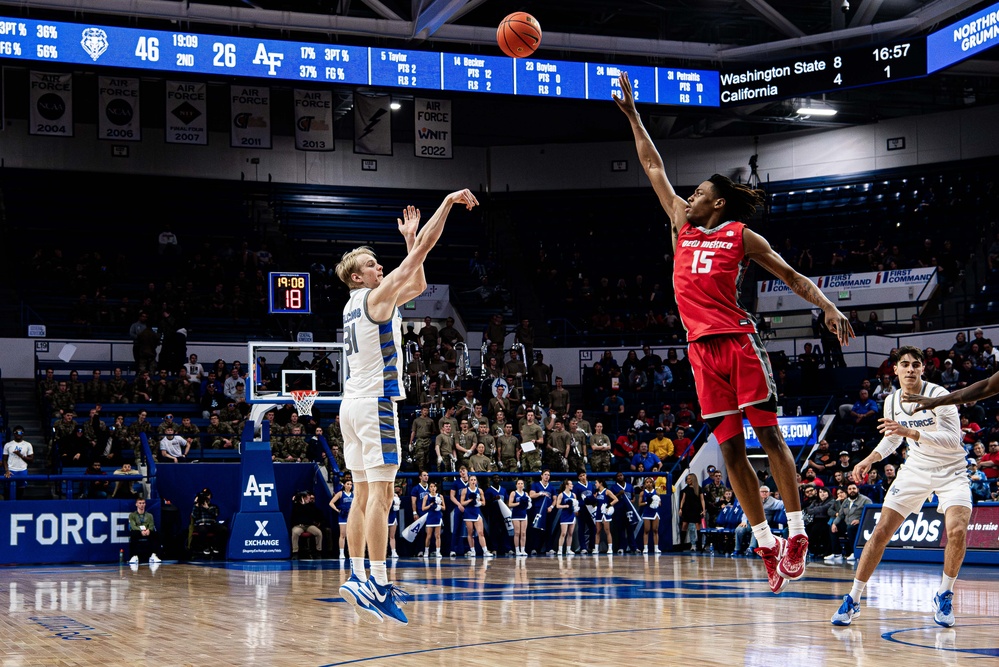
pixel 68 531
pixel 372 124
pixel 118 109
pixel 51 100
pixel 314 120
pixel 251 116
pixel 186 113
pixel 433 128
pixel 259 530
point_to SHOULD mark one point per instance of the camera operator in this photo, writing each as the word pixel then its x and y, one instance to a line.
pixel 208 533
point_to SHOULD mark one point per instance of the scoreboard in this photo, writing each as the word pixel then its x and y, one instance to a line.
pixel 289 294
pixel 62 43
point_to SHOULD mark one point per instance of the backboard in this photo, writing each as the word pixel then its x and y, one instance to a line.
pixel 278 368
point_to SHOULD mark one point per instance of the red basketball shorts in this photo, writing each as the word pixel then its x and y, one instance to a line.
pixel 730 372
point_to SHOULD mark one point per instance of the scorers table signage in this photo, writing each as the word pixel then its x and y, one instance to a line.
pixel 289 294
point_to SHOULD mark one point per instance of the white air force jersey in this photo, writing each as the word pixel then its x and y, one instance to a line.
pixel 939 445
pixel 373 351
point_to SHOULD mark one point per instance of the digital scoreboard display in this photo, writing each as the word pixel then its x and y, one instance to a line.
pixel 289 294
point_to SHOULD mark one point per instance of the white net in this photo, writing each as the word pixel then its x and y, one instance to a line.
pixel 304 400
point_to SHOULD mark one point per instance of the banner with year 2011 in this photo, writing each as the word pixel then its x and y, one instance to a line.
pixel 186 113
pixel 251 116
pixel 51 99
pixel 433 129
pixel 118 109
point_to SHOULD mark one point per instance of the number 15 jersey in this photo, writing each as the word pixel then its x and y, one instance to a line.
pixel 707 274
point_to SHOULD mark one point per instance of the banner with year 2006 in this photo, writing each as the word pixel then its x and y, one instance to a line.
pixel 118 109
pixel 251 116
pixel 186 113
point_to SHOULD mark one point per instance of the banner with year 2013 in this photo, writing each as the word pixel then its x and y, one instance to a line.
pixel 251 116
pixel 118 109
pixel 314 120
pixel 186 113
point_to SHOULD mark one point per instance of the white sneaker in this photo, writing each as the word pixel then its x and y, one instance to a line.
pixel 570 553
pixel 154 559
pixel 154 566
pixel 487 554
pixel 437 554
pixel 134 560
pixel 395 554
pixel 134 567
pixel 830 558
pixel 470 554
pixel 656 551
pixel 645 550
pixel 851 558
pixel 343 555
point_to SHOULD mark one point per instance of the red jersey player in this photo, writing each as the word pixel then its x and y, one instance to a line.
pixel 731 368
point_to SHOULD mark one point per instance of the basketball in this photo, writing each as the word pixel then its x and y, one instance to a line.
pixel 519 35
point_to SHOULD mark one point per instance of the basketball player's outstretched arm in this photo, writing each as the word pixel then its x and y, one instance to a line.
pixel 652 162
pixel 758 250
pixel 973 392
pixel 393 292
pixel 409 223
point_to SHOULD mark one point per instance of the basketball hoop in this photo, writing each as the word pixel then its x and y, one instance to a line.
pixel 304 399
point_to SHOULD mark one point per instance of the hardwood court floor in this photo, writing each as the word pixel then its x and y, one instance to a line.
pixel 670 610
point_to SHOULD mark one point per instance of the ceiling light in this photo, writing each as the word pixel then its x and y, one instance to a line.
pixel 396 106
pixel 810 108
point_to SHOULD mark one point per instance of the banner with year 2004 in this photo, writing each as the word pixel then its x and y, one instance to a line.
pixel 186 113
pixel 118 109
pixel 51 99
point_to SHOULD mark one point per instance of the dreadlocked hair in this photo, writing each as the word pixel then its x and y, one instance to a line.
pixel 741 201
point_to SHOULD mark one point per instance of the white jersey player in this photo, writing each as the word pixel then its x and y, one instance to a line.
pixel 368 417
pixel 936 464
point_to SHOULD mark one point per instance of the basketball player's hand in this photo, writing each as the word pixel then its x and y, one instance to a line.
pixel 860 471
pixel 839 324
pixel 923 402
pixel 889 428
pixel 409 222
pixel 626 101
pixel 464 197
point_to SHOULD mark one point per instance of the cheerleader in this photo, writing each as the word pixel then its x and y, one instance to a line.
pixel 472 500
pixel 519 503
pixel 345 497
pixel 432 504
pixel 602 519
pixel 393 520
pixel 648 505
pixel 566 501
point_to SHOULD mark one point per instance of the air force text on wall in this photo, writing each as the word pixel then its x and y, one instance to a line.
pixel 66 528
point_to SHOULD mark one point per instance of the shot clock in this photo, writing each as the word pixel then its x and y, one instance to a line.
pixel 289 294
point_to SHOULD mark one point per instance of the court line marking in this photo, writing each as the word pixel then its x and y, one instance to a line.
pixel 439 649
pixel 990 652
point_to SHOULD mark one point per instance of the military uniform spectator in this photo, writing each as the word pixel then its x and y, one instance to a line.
pixel 117 388
pixel 48 386
pixel 420 439
pixel 64 427
pixel 577 447
pixel 557 448
pixel 600 449
pixel 444 448
pixel 541 377
pixel 559 399
pixel 531 433
pixel 488 442
pixel 294 449
pixel 479 462
pixel 189 432
pixel 220 434
pixel 95 391
pixel 76 387
pixel 142 388
pixel 430 337
pixel 183 389
pixel 62 400
pixel 524 334
pixel 508 447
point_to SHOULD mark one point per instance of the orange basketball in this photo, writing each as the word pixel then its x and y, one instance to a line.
pixel 519 35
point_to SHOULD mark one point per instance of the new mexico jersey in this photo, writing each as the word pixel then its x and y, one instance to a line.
pixel 707 274
pixel 373 351
pixel 939 444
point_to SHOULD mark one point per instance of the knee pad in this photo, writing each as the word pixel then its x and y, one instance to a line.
pixel 761 416
pixel 727 427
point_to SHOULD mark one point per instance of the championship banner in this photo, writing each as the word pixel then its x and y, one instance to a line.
pixel 372 124
pixel 251 116
pixel 314 120
pixel 118 109
pixel 51 100
pixel 433 129
pixel 186 113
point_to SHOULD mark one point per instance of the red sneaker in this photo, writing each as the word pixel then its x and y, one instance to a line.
pixel 792 565
pixel 771 557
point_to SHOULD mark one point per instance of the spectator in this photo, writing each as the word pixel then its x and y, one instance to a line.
pixel 139 325
pixel 961 346
pixel 661 446
pixel 96 489
pixel 305 518
pixel 624 450
pixel 126 488
pixel 666 419
pixel 173 448
pixel 865 411
pixel 74 450
pixel 685 416
pixel 207 535
pixel 949 377
pixel 17 454
pixel 989 463
pixel 969 431
pixel 682 445
pixel 816 515
pixel 979 483
pixel 142 534
pixel 650 461
pixel 62 401
pixel 195 371
pixel 883 390
pixel 847 522
pixel 613 408
pixel 600 449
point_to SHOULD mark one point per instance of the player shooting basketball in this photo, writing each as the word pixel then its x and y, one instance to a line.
pixel 369 419
pixel 731 367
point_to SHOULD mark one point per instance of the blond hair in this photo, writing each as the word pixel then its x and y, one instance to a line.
pixel 350 263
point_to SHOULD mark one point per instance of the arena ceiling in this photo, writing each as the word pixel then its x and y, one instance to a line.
pixel 682 33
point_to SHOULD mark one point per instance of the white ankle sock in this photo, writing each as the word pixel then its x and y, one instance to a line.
pixel 946 584
pixel 763 535
pixel 379 573
pixel 795 523
pixel 357 567
pixel 857 590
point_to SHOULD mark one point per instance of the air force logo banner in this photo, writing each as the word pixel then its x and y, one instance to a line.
pixel 118 109
pixel 433 129
pixel 372 124
pixel 186 113
pixel 251 116
pixel 51 100
pixel 259 530
pixel 314 120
